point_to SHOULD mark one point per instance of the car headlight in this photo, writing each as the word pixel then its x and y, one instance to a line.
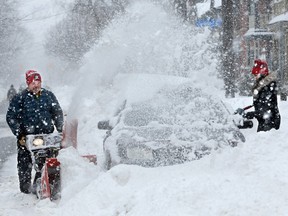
pixel 38 141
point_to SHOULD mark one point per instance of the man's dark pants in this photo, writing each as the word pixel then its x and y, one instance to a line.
pixel 24 165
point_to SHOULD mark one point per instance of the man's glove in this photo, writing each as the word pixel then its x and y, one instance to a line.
pixel 59 129
pixel 249 115
pixel 239 111
pixel 21 139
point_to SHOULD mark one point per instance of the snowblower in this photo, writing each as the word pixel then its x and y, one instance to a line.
pixel 244 123
pixel 44 150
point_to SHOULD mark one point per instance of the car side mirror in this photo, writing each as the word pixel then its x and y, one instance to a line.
pixel 104 125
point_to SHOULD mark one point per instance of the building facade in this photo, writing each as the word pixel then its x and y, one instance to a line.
pixel 263 33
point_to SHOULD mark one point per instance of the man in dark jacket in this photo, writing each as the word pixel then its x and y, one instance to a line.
pixel 264 98
pixel 32 111
pixel 11 93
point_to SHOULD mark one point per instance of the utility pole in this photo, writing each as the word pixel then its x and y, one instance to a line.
pixel 282 87
pixel 212 4
pixel 227 48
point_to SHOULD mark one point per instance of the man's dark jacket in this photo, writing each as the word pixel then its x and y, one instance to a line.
pixel 265 104
pixel 32 114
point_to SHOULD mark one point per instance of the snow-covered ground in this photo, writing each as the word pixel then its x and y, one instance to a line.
pixel 250 179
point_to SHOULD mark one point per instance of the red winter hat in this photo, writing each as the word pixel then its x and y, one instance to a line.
pixel 32 75
pixel 260 67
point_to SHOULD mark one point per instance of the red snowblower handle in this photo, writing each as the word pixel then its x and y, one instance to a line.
pixel 248 107
pixel 241 110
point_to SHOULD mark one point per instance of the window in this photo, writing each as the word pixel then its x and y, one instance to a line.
pixel 279 8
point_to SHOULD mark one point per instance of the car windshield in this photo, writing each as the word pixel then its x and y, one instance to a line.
pixel 183 113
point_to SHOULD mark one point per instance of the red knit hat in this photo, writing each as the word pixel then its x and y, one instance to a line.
pixel 32 75
pixel 260 67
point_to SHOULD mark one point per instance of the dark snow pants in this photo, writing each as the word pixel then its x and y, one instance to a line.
pixel 24 166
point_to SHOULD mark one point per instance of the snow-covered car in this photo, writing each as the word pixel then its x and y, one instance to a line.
pixel 177 124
